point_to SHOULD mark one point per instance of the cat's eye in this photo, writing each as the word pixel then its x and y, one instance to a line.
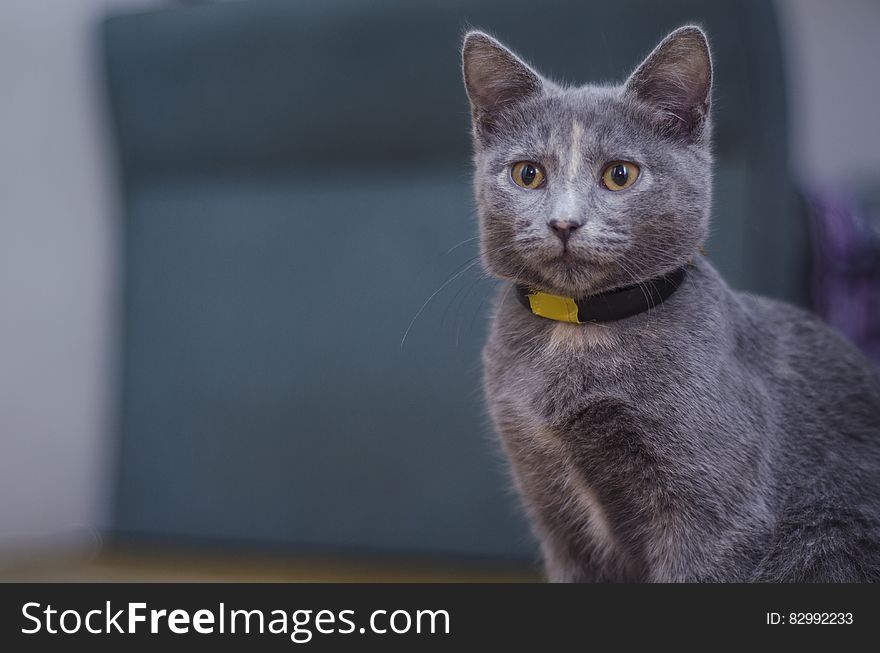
pixel 620 175
pixel 527 174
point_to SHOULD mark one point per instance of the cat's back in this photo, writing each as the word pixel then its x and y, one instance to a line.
pixel 820 378
pixel 828 473
pixel 826 393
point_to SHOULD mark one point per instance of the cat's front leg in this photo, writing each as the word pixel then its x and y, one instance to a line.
pixel 643 510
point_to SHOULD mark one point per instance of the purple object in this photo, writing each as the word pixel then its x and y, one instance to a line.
pixel 846 269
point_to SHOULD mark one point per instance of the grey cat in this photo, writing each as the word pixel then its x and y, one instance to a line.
pixel 716 436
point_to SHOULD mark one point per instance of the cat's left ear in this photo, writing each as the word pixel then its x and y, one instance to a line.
pixel 676 81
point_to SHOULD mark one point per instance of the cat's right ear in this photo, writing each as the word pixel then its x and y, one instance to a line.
pixel 494 78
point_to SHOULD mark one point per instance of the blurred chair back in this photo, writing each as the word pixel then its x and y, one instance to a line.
pixel 295 176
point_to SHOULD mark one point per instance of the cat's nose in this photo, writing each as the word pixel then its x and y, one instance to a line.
pixel 564 228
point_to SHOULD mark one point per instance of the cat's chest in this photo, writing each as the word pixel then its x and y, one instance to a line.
pixel 572 365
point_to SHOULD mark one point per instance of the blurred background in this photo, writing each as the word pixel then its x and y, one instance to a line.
pixel 240 311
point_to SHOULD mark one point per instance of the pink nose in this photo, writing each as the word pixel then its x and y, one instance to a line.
pixel 564 228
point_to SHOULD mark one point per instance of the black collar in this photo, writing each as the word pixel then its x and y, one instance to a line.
pixel 606 306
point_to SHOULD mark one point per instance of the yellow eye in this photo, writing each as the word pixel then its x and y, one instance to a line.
pixel 620 175
pixel 527 174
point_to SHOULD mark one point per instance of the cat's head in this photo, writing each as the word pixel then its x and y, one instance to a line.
pixel 586 189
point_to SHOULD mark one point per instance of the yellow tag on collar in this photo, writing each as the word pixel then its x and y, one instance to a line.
pixel 553 307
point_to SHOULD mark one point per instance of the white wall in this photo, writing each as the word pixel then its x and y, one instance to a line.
pixel 833 53
pixel 58 274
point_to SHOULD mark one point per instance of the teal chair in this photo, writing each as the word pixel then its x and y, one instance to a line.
pixel 296 186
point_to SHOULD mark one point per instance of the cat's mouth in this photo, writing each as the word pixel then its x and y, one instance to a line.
pixel 573 268
pixel 567 256
pixel 570 272
pixel 571 263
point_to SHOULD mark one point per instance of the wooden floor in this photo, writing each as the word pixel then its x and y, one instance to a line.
pixel 132 566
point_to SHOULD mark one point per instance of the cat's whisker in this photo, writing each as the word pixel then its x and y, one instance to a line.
pixel 476 310
pixel 461 270
pixel 475 282
pixel 452 278
pixel 462 243
pixel 646 279
pixel 450 303
pixel 634 278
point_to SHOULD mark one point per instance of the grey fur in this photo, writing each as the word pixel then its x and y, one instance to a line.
pixel 718 437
